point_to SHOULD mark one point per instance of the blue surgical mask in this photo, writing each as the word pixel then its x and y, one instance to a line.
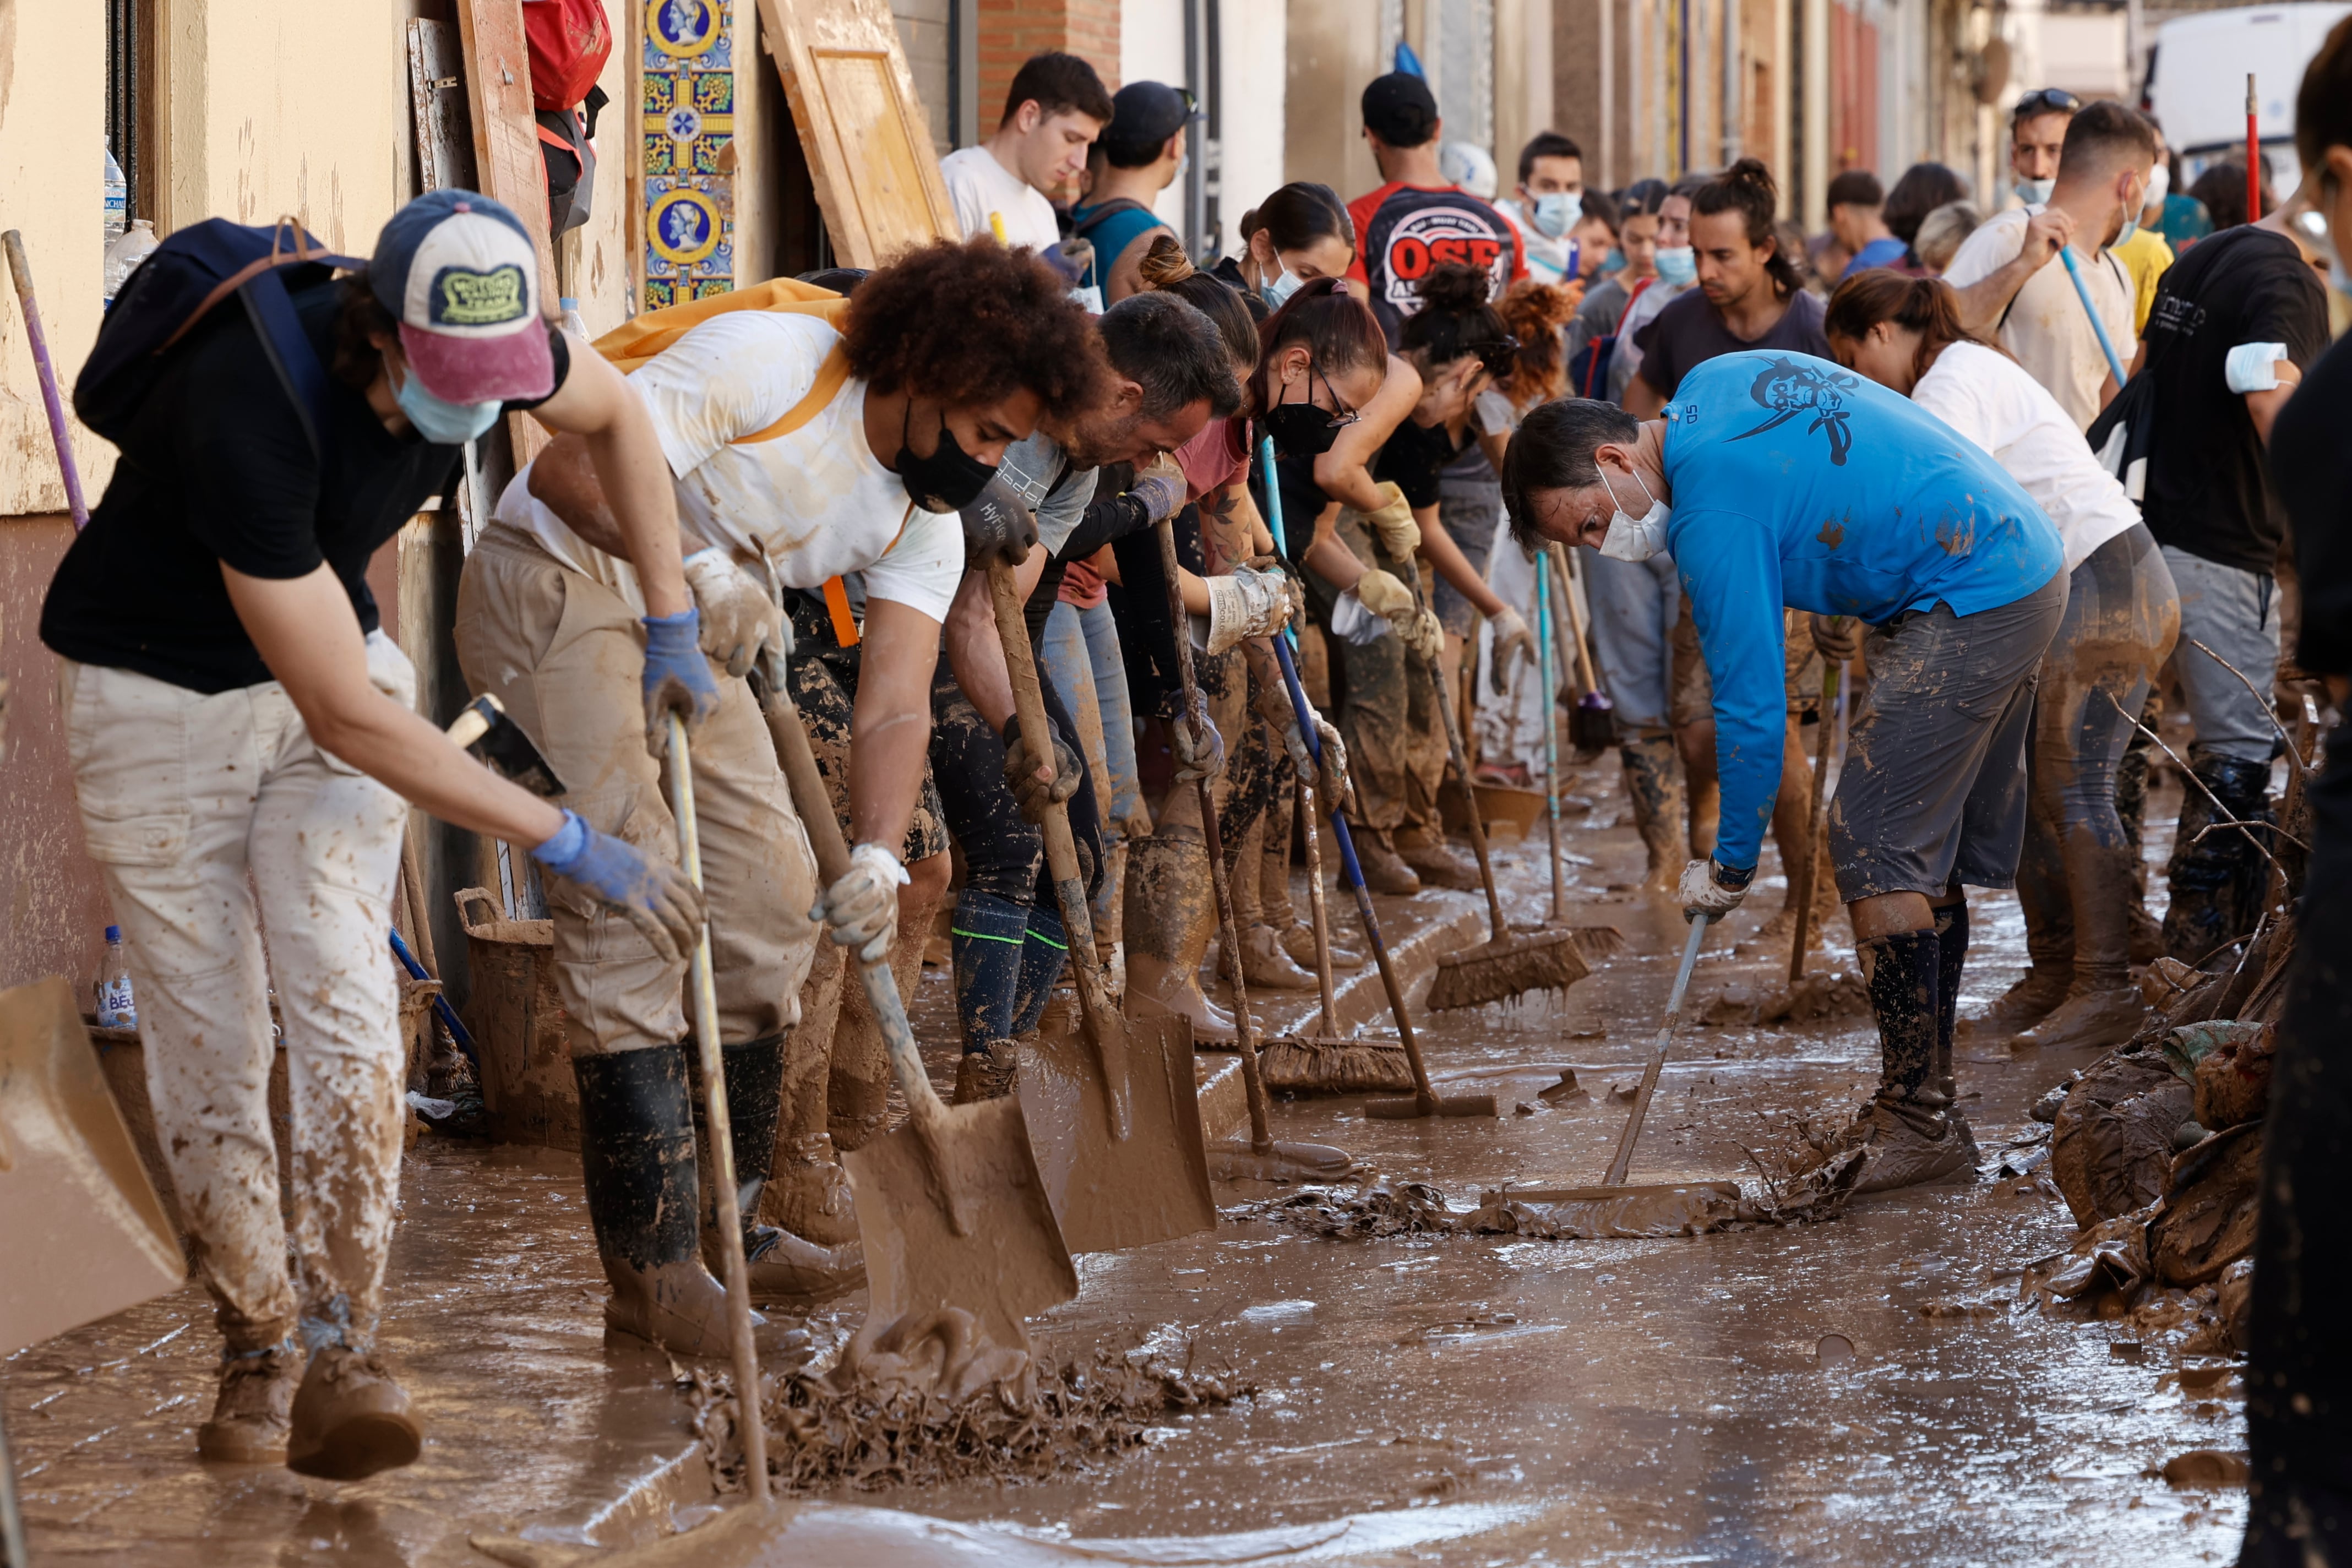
pixel 1613 262
pixel 1280 286
pixel 1677 265
pixel 2034 193
pixel 440 421
pixel 1555 212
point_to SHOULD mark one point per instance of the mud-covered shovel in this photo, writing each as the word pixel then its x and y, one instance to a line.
pixel 1114 1111
pixel 1260 1159
pixel 951 1206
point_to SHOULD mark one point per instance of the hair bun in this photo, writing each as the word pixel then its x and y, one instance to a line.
pixel 1752 172
pixel 1164 263
pixel 1455 288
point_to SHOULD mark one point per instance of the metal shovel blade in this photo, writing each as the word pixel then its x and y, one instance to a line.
pixel 1112 1193
pixel 1009 1264
pixel 87 1234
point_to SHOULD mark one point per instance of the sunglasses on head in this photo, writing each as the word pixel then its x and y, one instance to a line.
pixel 1499 357
pixel 2044 101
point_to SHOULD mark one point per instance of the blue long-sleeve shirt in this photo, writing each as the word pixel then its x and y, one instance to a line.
pixel 1794 482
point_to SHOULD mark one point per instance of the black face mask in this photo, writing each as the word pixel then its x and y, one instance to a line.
pixel 949 479
pixel 1302 430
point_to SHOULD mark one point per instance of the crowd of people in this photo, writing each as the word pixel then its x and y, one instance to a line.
pixel 1909 449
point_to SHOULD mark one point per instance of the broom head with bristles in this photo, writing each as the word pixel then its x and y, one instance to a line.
pixel 1507 967
pixel 1318 1064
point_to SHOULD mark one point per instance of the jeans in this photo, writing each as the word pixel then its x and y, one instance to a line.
pixel 1635 608
pixel 1085 662
pixel 2234 613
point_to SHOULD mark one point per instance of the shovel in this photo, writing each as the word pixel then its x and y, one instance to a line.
pixel 951 1206
pixel 1260 1159
pixel 1801 890
pixel 1123 1161
pixel 1592 728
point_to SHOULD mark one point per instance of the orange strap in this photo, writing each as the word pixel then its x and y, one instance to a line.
pixel 836 602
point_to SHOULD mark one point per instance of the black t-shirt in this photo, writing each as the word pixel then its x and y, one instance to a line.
pixel 1416 454
pixel 2311 465
pixel 1690 331
pixel 216 470
pixel 2208 490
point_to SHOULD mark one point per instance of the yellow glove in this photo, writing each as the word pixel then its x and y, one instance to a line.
pixel 1400 536
pixel 1384 595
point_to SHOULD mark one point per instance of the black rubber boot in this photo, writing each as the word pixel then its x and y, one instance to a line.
pixel 1951 955
pixel 2217 884
pixel 782 1266
pixel 637 1158
pixel 1907 1137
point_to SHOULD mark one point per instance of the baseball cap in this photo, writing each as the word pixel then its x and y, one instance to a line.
pixel 1145 113
pixel 1400 109
pixel 458 271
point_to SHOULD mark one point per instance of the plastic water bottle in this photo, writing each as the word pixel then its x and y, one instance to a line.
pixel 115 1007
pixel 573 326
pixel 131 247
pixel 118 197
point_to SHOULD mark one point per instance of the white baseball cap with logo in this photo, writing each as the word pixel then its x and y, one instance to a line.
pixel 459 270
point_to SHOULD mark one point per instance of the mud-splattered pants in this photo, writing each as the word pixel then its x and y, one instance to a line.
pixel 1396 753
pixel 184 796
pixel 566 654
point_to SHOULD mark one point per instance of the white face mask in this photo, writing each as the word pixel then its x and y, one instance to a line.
pixel 1635 538
pixel 1280 286
pixel 2159 182
pixel 2035 192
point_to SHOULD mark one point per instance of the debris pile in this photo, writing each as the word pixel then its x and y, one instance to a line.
pixel 827 1431
pixel 1830 993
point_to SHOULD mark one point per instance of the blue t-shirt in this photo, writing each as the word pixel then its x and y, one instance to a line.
pixel 1797 483
pixel 1111 237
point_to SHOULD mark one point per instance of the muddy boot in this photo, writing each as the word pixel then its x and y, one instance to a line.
pixel 637 1160
pixel 780 1265
pixel 1384 869
pixel 2023 1004
pixel 1437 863
pixel 1045 959
pixel 2103 1008
pixel 990 1072
pixel 1653 783
pixel 1299 942
pixel 2217 885
pixel 1265 966
pixel 349 1419
pixel 1169 921
pixel 808 1191
pixel 251 1412
pixel 1910 1138
pixel 1951 956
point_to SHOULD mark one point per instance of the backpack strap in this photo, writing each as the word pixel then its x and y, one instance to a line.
pixel 1104 213
pixel 845 630
pixel 290 354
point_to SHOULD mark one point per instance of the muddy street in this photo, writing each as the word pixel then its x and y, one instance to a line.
pixel 1866 1390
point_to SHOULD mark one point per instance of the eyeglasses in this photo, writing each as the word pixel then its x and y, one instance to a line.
pixel 2044 101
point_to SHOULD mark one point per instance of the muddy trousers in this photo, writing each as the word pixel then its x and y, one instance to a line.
pixel 566 655
pixel 184 799
pixel 2298 1375
pixel 1396 751
pixel 2075 869
pixel 1081 657
pixel 1007 937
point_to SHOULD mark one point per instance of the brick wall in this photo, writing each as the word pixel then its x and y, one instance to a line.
pixel 1013 30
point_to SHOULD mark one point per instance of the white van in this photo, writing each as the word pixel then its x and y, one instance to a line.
pixel 2196 84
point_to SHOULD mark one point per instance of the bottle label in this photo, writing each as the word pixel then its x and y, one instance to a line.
pixel 115 1010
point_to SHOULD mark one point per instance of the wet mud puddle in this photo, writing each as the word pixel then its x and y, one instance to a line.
pixel 1864 1390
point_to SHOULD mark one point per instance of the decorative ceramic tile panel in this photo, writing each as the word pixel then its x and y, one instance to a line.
pixel 687 124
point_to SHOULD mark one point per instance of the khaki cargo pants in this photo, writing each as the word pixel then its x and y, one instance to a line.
pixel 566 655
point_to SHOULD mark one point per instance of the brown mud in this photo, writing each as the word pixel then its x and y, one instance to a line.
pixel 1893 1384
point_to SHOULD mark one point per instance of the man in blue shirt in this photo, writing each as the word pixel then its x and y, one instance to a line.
pixel 1792 482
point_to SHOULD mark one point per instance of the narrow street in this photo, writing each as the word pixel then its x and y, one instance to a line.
pixel 1870 1389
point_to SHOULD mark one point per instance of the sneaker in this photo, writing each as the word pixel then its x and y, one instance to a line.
pixel 2088 1018
pixel 252 1411
pixel 349 1419
pixel 1910 1147
pixel 1384 870
pixel 2023 1004
pixel 1438 863
pixel 987 1073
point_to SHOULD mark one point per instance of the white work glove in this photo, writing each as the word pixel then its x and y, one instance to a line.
pixel 1331 780
pixel 1392 522
pixel 1701 894
pixel 1513 642
pixel 1196 763
pixel 862 906
pixel 2254 367
pixel 739 614
pixel 1242 604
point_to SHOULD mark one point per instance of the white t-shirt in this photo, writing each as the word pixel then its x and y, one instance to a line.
pixel 1626 358
pixel 815 500
pixel 2045 326
pixel 979 186
pixel 1989 398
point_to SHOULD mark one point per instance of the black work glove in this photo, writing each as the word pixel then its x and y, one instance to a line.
pixel 998 528
pixel 1021 767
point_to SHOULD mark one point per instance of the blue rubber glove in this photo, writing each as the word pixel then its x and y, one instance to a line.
pixel 655 896
pixel 677 677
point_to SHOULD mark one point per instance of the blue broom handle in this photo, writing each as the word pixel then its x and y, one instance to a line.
pixel 2082 293
pixel 440 1004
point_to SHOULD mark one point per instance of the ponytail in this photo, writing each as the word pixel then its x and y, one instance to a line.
pixel 1747 188
pixel 1923 305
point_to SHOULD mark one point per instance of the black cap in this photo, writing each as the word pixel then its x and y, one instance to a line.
pixel 1400 110
pixel 1144 114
